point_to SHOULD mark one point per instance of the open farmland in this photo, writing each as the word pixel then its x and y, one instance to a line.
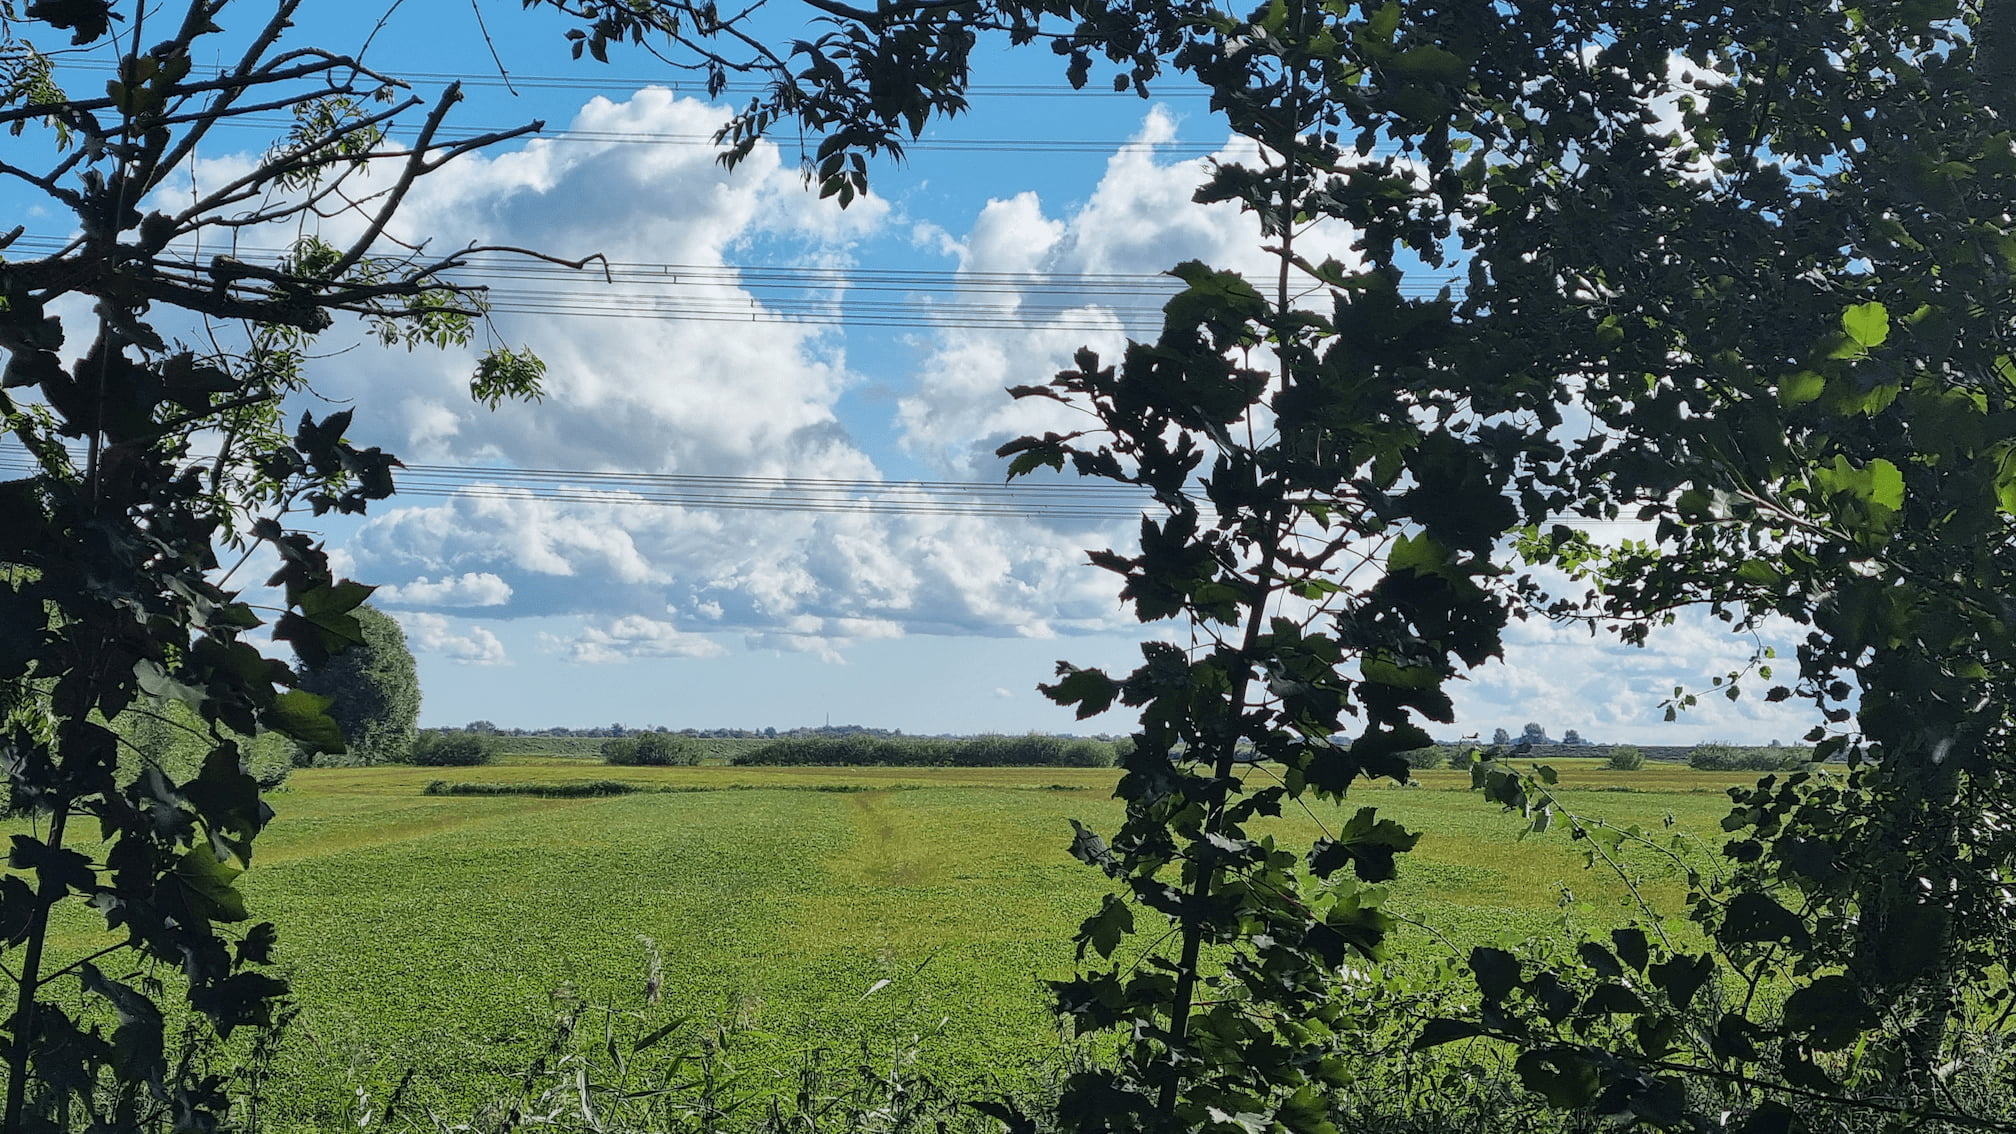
pixel 428 932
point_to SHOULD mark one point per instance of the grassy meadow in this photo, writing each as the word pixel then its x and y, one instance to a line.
pixel 428 932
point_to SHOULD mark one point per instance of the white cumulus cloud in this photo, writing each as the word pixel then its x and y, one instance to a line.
pixel 474 588
pixel 450 638
pixel 635 636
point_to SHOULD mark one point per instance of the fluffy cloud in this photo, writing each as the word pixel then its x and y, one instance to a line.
pixel 471 589
pixel 680 398
pixel 635 636
pixel 456 641
pixel 1138 221
pixel 1562 677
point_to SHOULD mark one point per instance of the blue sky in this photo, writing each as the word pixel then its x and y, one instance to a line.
pixel 598 609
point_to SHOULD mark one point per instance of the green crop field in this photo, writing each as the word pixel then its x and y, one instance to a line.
pixel 428 932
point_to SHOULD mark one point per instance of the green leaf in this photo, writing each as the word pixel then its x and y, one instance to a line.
pixel 1632 947
pixel 1421 554
pixel 210 882
pixel 1089 689
pixel 1611 998
pixel 1497 972
pixel 1104 930
pixel 58 870
pixel 1087 847
pixel 1757 919
pixel 1381 672
pixel 1563 1076
pixel 1867 323
pixel 227 797
pixel 1307 1111
pixel 305 717
pixel 1801 387
pixel 1830 1011
pixel 1368 843
pixel 155 681
pixel 139 1048
pixel 1429 62
pixel 1439 1031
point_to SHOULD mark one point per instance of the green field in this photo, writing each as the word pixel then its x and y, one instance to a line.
pixel 428 932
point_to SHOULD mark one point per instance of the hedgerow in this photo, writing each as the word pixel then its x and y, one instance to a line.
pixel 1034 750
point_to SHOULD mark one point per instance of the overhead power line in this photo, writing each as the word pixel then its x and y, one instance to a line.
pixel 1022 499
pixel 741 88
pixel 1019 500
pixel 810 294
pixel 462 133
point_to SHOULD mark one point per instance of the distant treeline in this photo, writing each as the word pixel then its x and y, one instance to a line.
pixel 934 752
pixel 1711 756
pixel 603 732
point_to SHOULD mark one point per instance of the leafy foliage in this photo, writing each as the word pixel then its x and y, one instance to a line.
pixel 170 736
pixel 1325 531
pixel 651 749
pixel 1716 757
pixel 1624 758
pixel 865 81
pixel 433 749
pixel 112 598
pixel 373 690
pixel 1786 306
pixel 1033 750
pixel 570 789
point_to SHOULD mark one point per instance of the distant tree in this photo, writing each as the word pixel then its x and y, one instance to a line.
pixel 1421 759
pixel 480 726
pixel 150 388
pixel 1534 734
pixel 1573 737
pixel 1501 738
pixel 651 749
pixel 374 691
pixel 1716 756
pixel 1625 758
pixel 453 749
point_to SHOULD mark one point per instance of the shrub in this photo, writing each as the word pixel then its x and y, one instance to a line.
pixel 1033 750
pixel 1462 757
pixel 1421 759
pixel 1714 756
pixel 453 749
pixel 572 789
pixel 651 750
pixel 1625 758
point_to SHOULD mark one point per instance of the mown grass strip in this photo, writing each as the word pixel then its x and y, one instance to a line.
pixel 599 789
pixel 593 789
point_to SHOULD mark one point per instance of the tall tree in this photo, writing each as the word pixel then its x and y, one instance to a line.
pixel 373 690
pixel 110 584
pixel 1767 252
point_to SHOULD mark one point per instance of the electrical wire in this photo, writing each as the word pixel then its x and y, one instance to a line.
pixel 698 88
pixel 807 293
pixel 1021 500
pixel 1030 500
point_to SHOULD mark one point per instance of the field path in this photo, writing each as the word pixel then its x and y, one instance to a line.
pixel 886 851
